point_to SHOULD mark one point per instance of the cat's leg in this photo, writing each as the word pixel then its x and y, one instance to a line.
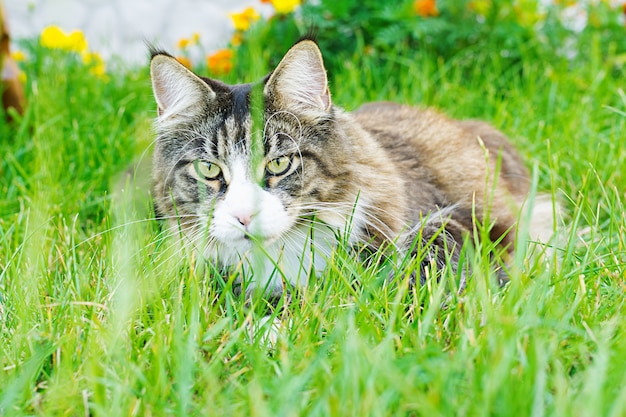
pixel 275 320
pixel 437 242
pixel 441 241
pixel 266 300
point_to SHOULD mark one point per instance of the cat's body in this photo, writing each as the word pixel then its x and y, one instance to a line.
pixel 451 164
pixel 273 206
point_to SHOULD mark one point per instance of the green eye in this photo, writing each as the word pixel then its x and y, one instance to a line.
pixel 279 166
pixel 207 170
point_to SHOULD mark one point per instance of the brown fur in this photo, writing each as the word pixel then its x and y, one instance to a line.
pixel 414 172
pixel 447 162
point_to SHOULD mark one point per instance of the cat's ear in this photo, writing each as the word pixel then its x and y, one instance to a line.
pixel 178 91
pixel 299 81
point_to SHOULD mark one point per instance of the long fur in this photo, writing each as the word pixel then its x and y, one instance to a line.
pixel 385 175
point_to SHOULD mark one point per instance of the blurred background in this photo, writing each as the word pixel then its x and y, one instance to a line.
pixel 239 39
pixel 120 27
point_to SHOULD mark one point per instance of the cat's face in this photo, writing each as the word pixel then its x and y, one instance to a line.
pixel 228 183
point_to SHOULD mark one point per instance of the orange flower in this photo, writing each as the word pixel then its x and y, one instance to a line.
pixel 426 8
pixel 221 62
pixel 184 60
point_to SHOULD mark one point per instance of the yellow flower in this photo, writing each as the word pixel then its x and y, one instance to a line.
pixel 237 39
pixel 21 77
pixel 53 37
pixel 243 20
pixel 565 3
pixel 527 13
pixel 77 41
pixel 18 56
pixel 185 42
pixel 285 6
pixel 221 62
pixel 95 61
pixel 426 8
pixel 481 7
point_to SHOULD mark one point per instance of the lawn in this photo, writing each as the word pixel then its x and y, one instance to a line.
pixel 99 316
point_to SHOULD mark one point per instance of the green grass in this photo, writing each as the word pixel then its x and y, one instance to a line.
pixel 99 317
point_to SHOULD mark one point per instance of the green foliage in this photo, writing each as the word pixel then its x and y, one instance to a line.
pixel 69 102
pixel 351 29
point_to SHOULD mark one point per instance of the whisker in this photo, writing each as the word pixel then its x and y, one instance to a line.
pixel 370 219
pixel 306 239
pixel 122 226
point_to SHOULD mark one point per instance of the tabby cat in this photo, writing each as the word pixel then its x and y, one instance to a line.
pixel 271 198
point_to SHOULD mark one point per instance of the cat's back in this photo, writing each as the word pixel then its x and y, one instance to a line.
pixel 425 138
pixel 415 138
pixel 449 157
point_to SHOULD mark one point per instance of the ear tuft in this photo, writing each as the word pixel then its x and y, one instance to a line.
pixel 300 81
pixel 178 91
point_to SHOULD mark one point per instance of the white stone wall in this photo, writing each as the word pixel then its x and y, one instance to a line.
pixel 119 27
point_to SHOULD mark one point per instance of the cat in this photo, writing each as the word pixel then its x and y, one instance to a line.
pixel 271 198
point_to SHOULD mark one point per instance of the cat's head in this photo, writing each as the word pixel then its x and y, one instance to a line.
pixel 227 181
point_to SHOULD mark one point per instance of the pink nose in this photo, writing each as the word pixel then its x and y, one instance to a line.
pixel 244 220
